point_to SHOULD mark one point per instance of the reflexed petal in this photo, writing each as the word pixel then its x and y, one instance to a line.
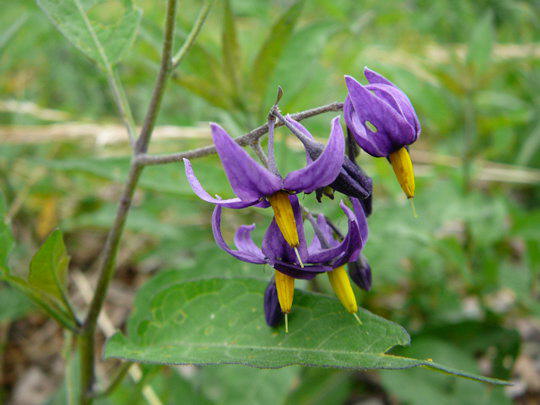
pixel 325 169
pixel 361 219
pixel 390 123
pixel 243 241
pixel 327 233
pixel 347 249
pixel 248 179
pixel 246 256
pixel 304 273
pixel 203 194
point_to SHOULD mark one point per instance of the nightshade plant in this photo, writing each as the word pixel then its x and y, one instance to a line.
pixel 284 247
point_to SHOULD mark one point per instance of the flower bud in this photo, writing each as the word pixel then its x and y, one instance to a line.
pixel 272 310
pixel 360 272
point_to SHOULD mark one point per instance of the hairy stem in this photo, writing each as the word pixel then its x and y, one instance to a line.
pixel 244 140
pixel 110 250
pixel 161 81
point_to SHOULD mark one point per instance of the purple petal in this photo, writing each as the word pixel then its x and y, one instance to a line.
pixel 327 233
pixel 374 77
pixel 272 310
pixel 378 147
pixel 389 122
pixel 361 219
pixel 248 179
pixel 325 169
pixel 246 256
pixel 304 273
pixel 349 247
pixel 203 194
pixel 400 102
pixel 243 241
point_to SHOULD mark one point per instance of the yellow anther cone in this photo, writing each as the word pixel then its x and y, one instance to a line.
pixel 285 291
pixel 403 168
pixel 284 215
pixel 342 287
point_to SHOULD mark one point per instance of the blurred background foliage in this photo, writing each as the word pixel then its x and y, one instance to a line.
pixel 463 278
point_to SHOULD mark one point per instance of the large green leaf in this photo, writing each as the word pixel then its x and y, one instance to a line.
pixel 6 238
pixel 103 41
pixel 48 267
pixel 268 56
pixel 220 321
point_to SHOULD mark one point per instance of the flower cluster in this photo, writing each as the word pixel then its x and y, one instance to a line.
pixel 382 121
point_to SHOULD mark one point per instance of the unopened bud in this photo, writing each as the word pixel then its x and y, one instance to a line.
pixel 360 272
pixel 272 310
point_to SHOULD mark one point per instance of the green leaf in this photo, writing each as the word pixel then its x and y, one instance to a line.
pixel 245 386
pixel 105 42
pixel 221 321
pixel 270 51
pixel 48 267
pixel 230 46
pixel 13 304
pixel 10 32
pixel 6 237
pixel 321 386
pixel 417 387
pixel 481 44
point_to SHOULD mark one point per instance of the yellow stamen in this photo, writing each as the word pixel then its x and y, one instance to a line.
pixel 284 215
pixel 403 168
pixel 285 291
pixel 342 287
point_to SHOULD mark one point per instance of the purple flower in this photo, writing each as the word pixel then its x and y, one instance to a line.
pixel 256 185
pixel 276 252
pixel 383 122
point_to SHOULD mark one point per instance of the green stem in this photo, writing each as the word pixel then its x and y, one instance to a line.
pixel 107 267
pixel 194 33
pixel 85 345
pixel 117 380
